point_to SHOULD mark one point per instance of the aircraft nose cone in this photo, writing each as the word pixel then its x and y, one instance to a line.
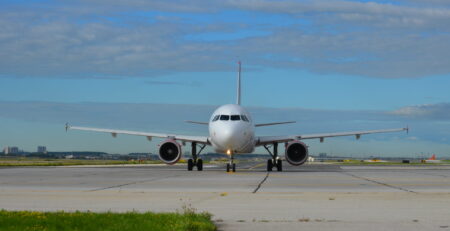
pixel 229 139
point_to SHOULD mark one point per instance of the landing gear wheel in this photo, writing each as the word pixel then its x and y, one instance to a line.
pixel 234 167
pixel 279 165
pixel 228 167
pixel 269 165
pixel 200 165
pixel 190 164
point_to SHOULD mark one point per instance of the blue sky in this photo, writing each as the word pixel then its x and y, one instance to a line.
pixel 353 64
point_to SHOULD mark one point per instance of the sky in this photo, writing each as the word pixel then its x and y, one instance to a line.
pixel 149 65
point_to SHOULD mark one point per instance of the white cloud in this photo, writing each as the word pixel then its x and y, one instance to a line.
pixel 412 138
pixel 97 38
pixel 428 111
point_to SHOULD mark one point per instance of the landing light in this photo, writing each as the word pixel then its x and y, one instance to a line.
pixel 228 152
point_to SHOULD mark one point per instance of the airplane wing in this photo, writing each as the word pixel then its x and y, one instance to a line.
pixel 262 140
pixel 274 123
pixel 196 122
pixel 149 135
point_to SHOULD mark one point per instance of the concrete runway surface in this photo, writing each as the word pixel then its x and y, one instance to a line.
pixel 309 197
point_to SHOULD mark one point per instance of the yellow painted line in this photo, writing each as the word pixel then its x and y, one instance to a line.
pixel 257 165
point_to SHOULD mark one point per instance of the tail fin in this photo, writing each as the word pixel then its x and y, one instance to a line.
pixel 433 157
pixel 239 85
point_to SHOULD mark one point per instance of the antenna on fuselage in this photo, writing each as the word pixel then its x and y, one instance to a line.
pixel 239 84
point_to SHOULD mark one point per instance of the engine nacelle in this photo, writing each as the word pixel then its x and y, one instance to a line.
pixel 296 153
pixel 170 151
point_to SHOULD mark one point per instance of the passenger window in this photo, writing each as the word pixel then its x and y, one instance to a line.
pixel 244 118
pixel 216 118
pixel 235 117
pixel 224 117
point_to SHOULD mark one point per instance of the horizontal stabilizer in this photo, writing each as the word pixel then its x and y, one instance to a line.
pixel 276 123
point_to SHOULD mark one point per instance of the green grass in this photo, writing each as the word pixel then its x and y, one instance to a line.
pixel 87 221
pixel 26 161
pixel 65 162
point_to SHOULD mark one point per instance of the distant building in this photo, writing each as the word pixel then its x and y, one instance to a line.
pixel 14 150
pixel 10 150
pixel 42 149
pixel 322 155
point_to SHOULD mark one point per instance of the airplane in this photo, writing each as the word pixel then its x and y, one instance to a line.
pixel 231 132
pixel 432 159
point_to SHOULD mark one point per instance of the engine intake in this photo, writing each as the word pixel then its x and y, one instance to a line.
pixel 296 153
pixel 170 151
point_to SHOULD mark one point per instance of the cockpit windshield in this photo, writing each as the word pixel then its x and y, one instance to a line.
pixel 244 118
pixel 224 117
pixel 235 117
pixel 216 118
pixel 230 117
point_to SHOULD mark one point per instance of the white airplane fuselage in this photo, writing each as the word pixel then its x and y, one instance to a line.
pixel 231 130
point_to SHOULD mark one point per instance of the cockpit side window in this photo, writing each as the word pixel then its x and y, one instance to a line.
pixel 224 117
pixel 244 118
pixel 216 118
pixel 235 117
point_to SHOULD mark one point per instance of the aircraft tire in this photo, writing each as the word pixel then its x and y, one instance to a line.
pixel 228 167
pixel 234 167
pixel 200 165
pixel 269 165
pixel 279 165
pixel 190 164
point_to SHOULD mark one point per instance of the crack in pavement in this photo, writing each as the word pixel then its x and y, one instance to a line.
pixel 131 183
pixel 380 183
pixel 260 183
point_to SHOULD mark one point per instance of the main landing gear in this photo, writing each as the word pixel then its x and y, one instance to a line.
pixel 275 161
pixel 195 161
pixel 231 166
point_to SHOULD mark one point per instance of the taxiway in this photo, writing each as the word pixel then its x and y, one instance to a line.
pixel 309 197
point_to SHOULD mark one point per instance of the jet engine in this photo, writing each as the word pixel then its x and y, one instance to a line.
pixel 170 151
pixel 296 153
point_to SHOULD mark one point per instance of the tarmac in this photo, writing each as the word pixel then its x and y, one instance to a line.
pixel 309 197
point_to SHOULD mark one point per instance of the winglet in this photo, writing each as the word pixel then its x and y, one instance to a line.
pixel 67 126
pixel 407 129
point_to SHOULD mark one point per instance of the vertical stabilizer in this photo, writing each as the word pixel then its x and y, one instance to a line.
pixel 239 85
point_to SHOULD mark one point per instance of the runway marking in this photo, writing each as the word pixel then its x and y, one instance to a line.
pixel 257 166
pixel 260 183
pixel 380 183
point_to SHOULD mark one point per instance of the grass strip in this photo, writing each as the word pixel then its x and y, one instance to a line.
pixel 70 163
pixel 41 162
pixel 108 221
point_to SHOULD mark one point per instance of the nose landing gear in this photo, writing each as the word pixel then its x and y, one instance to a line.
pixel 231 166
pixel 275 161
pixel 195 161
